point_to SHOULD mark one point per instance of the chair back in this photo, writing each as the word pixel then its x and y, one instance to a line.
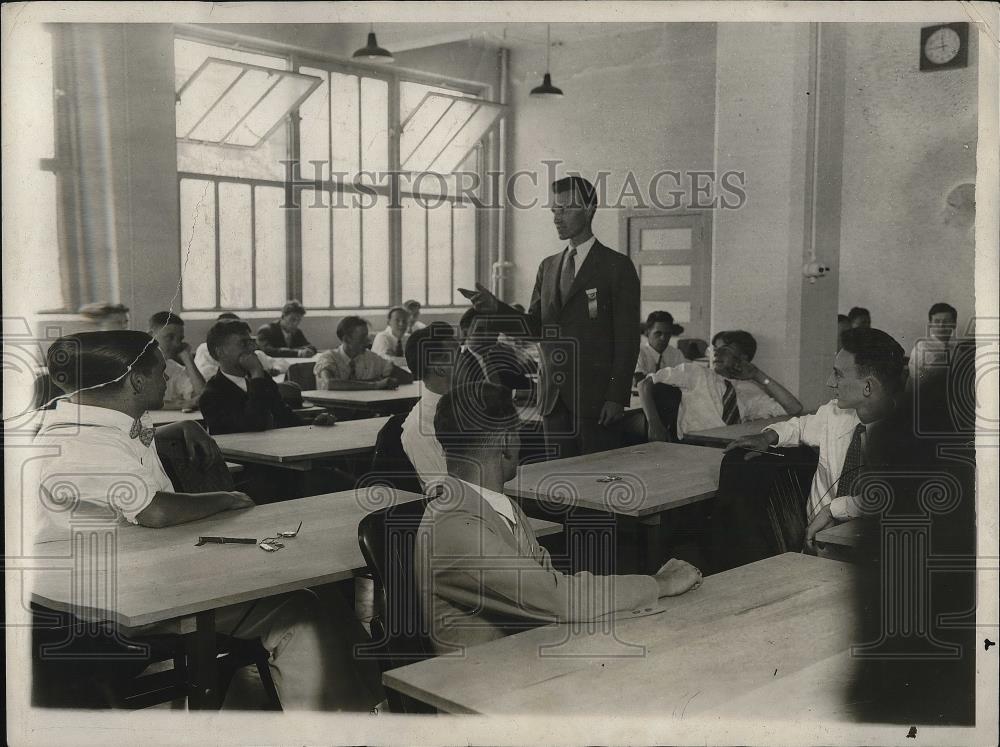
pixel 303 375
pixel 185 476
pixel 390 464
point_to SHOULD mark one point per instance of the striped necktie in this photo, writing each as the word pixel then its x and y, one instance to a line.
pixel 730 410
pixel 853 461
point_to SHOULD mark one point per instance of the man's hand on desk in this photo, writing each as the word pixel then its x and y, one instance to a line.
pixel 757 442
pixel 823 520
pixel 239 500
pixel 676 577
pixel 202 451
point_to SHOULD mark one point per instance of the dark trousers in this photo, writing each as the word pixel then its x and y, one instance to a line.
pixel 760 505
pixel 567 435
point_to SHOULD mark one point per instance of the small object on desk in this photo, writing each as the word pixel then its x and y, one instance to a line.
pixel 291 534
pixel 267 546
pixel 225 541
pixel 764 451
pixel 610 478
pixel 325 420
pixel 189 409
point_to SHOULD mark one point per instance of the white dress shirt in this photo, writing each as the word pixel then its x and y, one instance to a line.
pixel 582 250
pixel 384 344
pixel 100 475
pixel 419 439
pixel 651 361
pixel 831 429
pixel 701 397
pixel 180 388
pixel 499 502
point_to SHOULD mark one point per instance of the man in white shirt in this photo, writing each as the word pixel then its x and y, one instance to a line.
pixel 655 351
pixel 431 354
pixel 867 382
pixel 389 342
pixel 184 381
pixel 935 351
pixel 106 467
pixel 481 571
pixel 733 391
pixel 353 366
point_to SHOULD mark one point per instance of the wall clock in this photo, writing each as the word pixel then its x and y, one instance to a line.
pixel 944 46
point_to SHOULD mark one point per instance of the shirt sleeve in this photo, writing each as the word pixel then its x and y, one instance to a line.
pixel 326 365
pixel 386 368
pixel 761 406
pixel 845 507
pixel 380 345
pixel 679 376
pixel 805 429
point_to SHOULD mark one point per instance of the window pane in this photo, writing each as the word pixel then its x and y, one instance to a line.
pixel 374 125
pixel 444 130
pixel 464 221
pixel 314 127
pixel 466 140
pixel 315 249
pixel 419 125
pixel 276 105
pixel 439 290
pixel 271 270
pixel 346 253
pixel 235 247
pixel 237 101
pixel 201 93
pixel 665 239
pixel 344 123
pixel 411 94
pixel 414 250
pixel 375 248
pixel 197 244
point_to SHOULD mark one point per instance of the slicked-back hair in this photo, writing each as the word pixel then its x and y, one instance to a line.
pixel 875 354
pixel 578 185
pixel 857 312
pixel 87 360
pixel 472 418
pixel 411 305
pixel 430 347
pixel 740 339
pixel 394 309
pixel 942 308
pixel 348 324
pixel 161 319
pixel 221 330
pixel 293 307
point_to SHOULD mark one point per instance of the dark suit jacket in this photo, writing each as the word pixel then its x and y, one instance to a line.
pixel 591 359
pixel 502 367
pixel 228 409
pixel 271 340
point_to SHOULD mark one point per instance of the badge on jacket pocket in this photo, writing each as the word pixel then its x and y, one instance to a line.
pixel 592 302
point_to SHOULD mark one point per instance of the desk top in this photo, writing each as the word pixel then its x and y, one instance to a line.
pixel 160 574
pixel 847 534
pixel 302 442
pixel 744 630
pixel 164 417
pixel 723 435
pixel 655 477
pixel 363 397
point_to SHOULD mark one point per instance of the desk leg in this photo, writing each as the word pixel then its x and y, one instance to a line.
pixel 651 546
pixel 203 671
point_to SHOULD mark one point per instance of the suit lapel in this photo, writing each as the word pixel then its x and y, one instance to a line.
pixel 586 273
pixel 550 287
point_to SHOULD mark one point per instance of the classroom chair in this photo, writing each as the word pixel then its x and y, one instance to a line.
pixel 390 462
pixel 303 375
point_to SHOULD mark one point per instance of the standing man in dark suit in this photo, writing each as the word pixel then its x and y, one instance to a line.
pixel 283 338
pixel 588 295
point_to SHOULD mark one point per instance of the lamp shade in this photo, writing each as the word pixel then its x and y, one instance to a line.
pixel 546 90
pixel 373 52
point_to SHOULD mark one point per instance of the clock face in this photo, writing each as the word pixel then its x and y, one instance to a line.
pixel 942 46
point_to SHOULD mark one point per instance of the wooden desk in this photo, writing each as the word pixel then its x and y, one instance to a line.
pixel 656 477
pixel 296 448
pixel 165 417
pixel 371 400
pixel 159 574
pixel 720 437
pixel 763 627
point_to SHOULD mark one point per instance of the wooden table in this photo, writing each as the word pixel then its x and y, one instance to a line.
pixel 767 628
pixel 655 478
pixel 158 574
pixel 296 448
pixel 722 436
pixel 839 542
pixel 369 400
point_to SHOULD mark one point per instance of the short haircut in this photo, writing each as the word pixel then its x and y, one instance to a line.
pixel 228 315
pixel 858 312
pixel 875 354
pixel 660 317
pixel 473 417
pixel 164 318
pixel 942 308
pixel 293 307
pixel 842 318
pixel 429 347
pixel 348 324
pixel 87 360
pixel 221 330
pixel 741 339
pixel 721 334
pixel 394 309
pixel 412 305
pixel 578 185
pixel 102 309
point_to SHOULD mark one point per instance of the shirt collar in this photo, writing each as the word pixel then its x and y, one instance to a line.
pixel 582 250
pixel 428 403
pixel 499 502
pixel 238 380
pixel 67 413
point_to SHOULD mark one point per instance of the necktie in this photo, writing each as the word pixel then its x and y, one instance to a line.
pixel 730 410
pixel 567 274
pixel 398 352
pixel 659 362
pixel 143 433
pixel 852 462
pixel 352 372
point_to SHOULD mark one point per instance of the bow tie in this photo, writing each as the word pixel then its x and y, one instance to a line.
pixel 143 433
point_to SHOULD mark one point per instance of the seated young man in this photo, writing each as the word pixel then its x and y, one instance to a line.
pixel 867 386
pixel 935 351
pixel 241 396
pixel 283 338
pixel 208 366
pixel 353 366
pixel 184 381
pixel 413 308
pixel 733 391
pixel 102 433
pixel 655 351
pixel 389 342
pixel 481 571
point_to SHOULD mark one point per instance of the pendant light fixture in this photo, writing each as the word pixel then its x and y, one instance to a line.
pixel 547 90
pixel 372 52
